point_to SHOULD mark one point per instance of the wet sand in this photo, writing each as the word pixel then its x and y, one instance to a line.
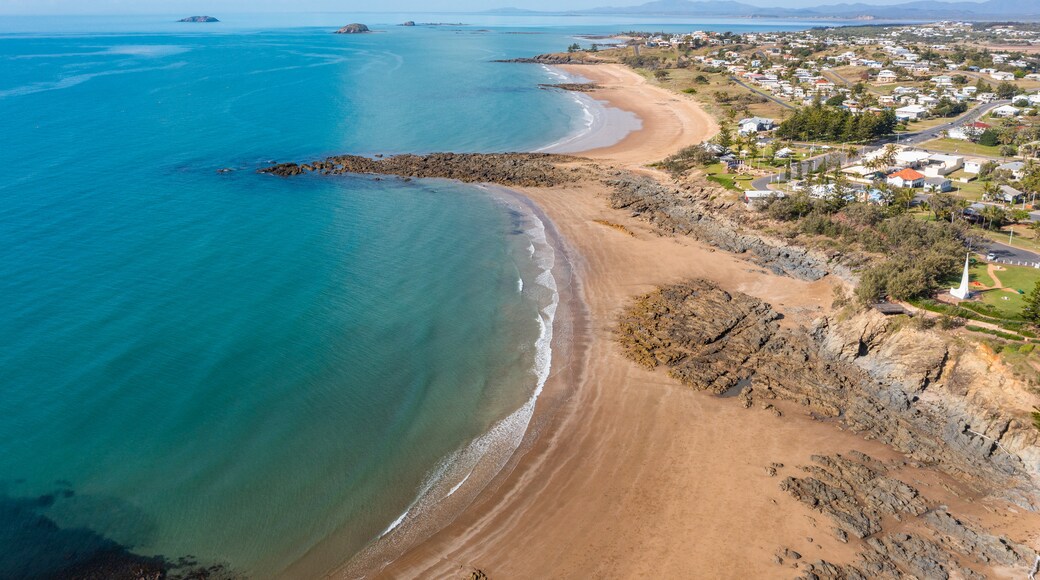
pixel 632 475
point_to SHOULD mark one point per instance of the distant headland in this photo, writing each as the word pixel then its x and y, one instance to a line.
pixel 198 19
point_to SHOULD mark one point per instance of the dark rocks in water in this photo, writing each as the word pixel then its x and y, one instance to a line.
pixel 562 58
pixel 409 23
pixel 519 169
pixel 576 87
pixel 36 546
pixel 354 28
pixel 198 19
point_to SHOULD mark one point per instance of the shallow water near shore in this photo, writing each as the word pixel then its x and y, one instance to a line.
pixel 245 369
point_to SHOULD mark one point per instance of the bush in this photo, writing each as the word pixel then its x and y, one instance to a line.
pixel 688 158
pixel 995 333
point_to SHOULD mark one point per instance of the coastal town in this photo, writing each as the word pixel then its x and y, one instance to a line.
pixel 936 122
pixel 321 299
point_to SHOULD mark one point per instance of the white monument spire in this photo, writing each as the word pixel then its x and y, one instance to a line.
pixel 962 291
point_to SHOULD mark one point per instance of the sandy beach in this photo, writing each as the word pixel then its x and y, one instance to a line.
pixel 633 475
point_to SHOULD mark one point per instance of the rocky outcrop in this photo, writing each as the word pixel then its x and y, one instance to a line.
pixel 904 388
pixel 553 59
pixel 862 498
pixel 198 19
pixel 690 212
pixel 516 169
pixel 575 87
pixel 353 29
pixel 409 23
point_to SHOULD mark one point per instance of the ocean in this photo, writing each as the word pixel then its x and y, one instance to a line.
pixel 266 374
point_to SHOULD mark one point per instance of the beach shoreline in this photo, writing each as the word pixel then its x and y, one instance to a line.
pixel 633 474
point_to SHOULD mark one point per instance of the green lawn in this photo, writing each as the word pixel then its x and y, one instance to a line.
pixel 961 147
pixel 979 274
pixel 1021 278
pixel 733 181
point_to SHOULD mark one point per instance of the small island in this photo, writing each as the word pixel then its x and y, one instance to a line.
pixel 353 29
pixel 198 19
pixel 409 23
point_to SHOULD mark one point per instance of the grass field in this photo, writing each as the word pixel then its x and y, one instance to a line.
pixel 1019 278
pixel 732 181
pixel 961 147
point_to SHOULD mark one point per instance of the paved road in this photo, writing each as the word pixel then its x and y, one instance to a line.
pixel 1006 254
pixel 971 116
pixel 811 163
pixel 763 93
pixel 915 138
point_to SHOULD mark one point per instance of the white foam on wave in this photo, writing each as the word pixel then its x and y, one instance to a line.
pixel 505 436
pixel 393 526
pixel 591 118
pixel 459 484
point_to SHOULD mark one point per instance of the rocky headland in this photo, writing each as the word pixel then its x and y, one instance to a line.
pixel 554 59
pixel 516 169
pixel 574 87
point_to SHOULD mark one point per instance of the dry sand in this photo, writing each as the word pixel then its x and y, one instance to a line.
pixel 633 475
pixel 670 121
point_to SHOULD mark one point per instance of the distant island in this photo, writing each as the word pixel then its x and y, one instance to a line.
pixel 409 23
pixel 198 19
pixel 353 29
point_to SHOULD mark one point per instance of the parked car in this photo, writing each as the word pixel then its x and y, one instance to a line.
pixel 991 256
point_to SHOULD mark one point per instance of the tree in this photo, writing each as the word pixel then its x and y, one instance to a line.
pixel 574 47
pixel 942 205
pixel 1006 90
pixel 1031 311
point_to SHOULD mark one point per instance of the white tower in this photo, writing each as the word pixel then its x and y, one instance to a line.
pixel 962 291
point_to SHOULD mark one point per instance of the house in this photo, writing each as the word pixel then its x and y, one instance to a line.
pixel 911 112
pixel 887 76
pixel 940 164
pixel 861 174
pixel 1002 76
pixel 969 131
pixel 1006 111
pixel 937 184
pixel 754 125
pixel 906 178
pixel 911 158
pixel 973 165
pixel 1009 194
pixel 1017 168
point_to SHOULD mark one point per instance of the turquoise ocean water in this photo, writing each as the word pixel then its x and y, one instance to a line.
pixel 254 371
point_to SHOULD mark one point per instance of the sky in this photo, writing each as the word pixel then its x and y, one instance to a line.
pixel 217 7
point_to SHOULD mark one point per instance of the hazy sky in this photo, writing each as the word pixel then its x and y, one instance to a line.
pixel 217 7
